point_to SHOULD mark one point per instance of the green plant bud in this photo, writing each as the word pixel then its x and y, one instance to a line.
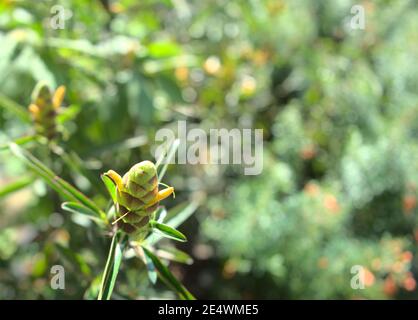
pixel 140 186
pixel 136 216
pixel 138 228
pixel 42 96
pixel 138 198
pixel 44 108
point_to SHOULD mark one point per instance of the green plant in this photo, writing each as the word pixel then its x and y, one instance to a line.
pixel 338 108
pixel 134 220
pixel 141 240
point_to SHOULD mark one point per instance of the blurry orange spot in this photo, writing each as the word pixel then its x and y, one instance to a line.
pixel 212 65
pixel 389 286
pixel 260 57
pixel 409 203
pixel 116 7
pixel 218 214
pixel 407 256
pixel 311 189
pixel 331 203
pixel 182 73
pixel 60 236
pixel 323 263
pixel 409 283
pixel 230 269
pixel 368 277
pixel 308 152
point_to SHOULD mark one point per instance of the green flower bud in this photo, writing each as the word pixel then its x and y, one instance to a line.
pixel 140 186
pixel 138 197
pixel 44 108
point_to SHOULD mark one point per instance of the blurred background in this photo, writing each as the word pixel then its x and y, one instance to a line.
pixel 339 110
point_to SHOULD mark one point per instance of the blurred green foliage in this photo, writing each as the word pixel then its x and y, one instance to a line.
pixel 338 107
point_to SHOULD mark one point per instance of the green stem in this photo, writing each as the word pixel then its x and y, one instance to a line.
pixel 113 263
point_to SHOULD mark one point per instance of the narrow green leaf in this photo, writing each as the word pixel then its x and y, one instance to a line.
pixel 166 275
pixel 111 270
pixel 60 185
pixel 110 186
pixel 68 113
pixel 44 175
pixel 175 217
pixel 19 141
pixel 168 231
pixel 16 185
pixel 75 207
pixel 93 290
pixel 174 254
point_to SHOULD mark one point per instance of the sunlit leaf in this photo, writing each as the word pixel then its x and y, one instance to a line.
pixel 75 207
pixel 174 254
pixel 168 231
pixel 163 49
pixel 110 186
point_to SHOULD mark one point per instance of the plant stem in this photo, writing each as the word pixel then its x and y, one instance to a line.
pixel 113 263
